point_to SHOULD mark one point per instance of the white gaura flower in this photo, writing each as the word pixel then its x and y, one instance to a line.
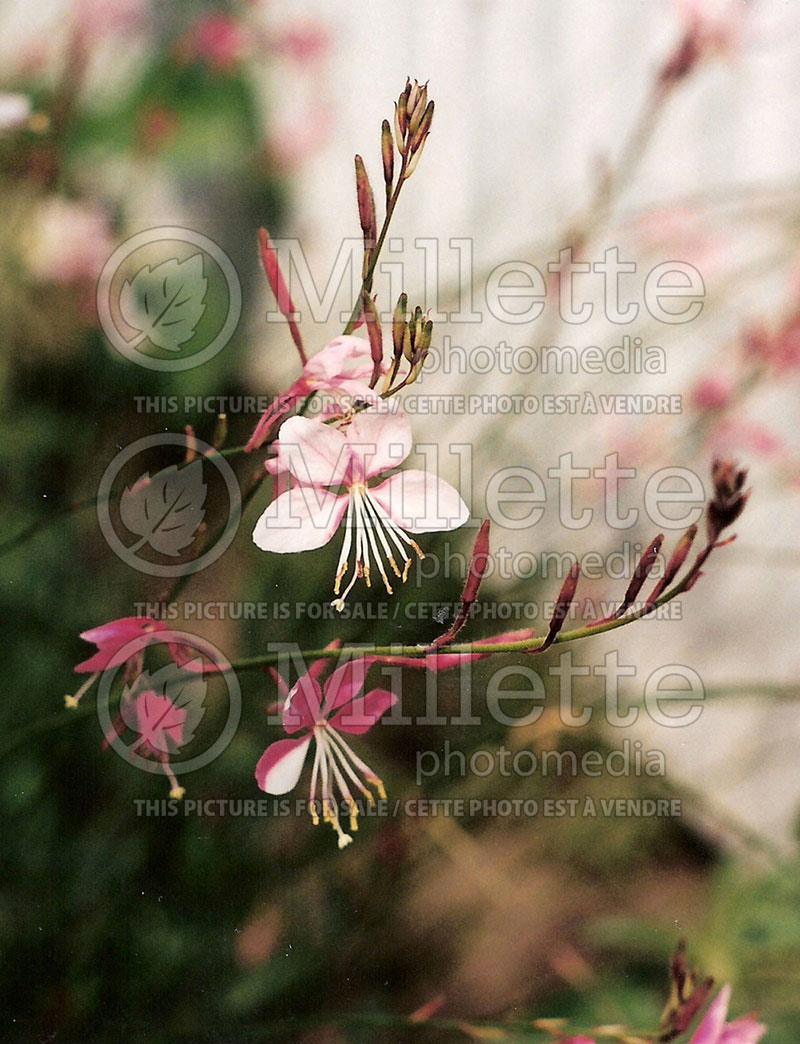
pixel 332 469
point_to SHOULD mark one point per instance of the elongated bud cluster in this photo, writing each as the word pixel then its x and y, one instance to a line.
pixel 729 497
pixel 411 342
pixel 676 560
pixel 413 115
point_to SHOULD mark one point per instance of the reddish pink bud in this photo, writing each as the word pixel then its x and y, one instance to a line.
pixel 478 564
pixel 729 497
pixel 642 571
pixel 676 560
pixel 269 259
pixel 563 602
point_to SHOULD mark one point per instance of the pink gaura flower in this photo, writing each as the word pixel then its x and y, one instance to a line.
pixel 332 468
pixel 112 640
pixel 323 714
pixel 159 725
pixel 342 366
pixel 713 1029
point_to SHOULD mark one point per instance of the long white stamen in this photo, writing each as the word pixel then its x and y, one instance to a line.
pixel 362 530
pixel 330 813
pixel 371 528
pixel 377 527
pixel 376 534
pixel 369 775
pixel 312 793
pixel 332 735
pixel 347 540
pixel 352 808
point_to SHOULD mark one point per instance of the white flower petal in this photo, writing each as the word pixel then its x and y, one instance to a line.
pixel 301 519
pixel 420 502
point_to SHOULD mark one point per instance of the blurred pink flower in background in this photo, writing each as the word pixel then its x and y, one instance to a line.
pixel 290 143
pixel 70 241
pixel 217 39
pixel 712 393
pixel 111 639
pixel 744 437
pixel 97 18
pixel 302 41
pixel 682 232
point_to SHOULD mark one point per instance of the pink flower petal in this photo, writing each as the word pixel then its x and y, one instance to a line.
pixel 420 502
pixel 111 639
pixel 329 364
pixel 710 1028
pixel 158 721
pixel 360 715
pixel 315 453
pixel 302 706
pixel 743 1031
pixel 379 441
pixel 344 684
pixel 282 404
pixel 279 767
pixel 301 519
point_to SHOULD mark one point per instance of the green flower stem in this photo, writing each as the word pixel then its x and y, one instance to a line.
pixel 527 645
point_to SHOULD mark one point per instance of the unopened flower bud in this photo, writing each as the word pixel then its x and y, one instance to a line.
pixel 387 155
pixel 375 337
pixel 399 324
pixel 729 497
pixel 421 130
pixel 366 203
